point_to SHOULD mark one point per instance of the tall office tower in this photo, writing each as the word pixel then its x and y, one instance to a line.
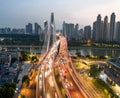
pixel 112 27
pixel 102 34
pixel 70 31
pixel 105 29
pixel 64 29
pixel 52 36
pixel 117 39
pixel 99 29
pixel 76 31
pixel 29 28
pixel 81 34
pixel 87 32
pixel 36 28
pixel 94 35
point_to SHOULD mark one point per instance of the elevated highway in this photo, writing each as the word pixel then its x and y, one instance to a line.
pixel 72 84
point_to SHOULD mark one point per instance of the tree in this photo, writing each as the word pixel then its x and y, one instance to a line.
pixel 4 92
pixel 7 90
pixel 94 71
pixel 13 85
pixel 11 92
pixel 1 94
pixel 25 81
pixel 34 59
pixel 21 96
pixel 24 55
pixel 78 53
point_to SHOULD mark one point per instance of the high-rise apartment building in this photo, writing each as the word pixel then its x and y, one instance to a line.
pixel 37 28
pixel 64 29
pixel 106 29
pixel 68 29
pixel 87 32
pixel 117 38
pixel 99 29
pixel 71 30
pixel 29 28
pixel 81 34
pixel 75 34
pixel 112 27
pixel 94 35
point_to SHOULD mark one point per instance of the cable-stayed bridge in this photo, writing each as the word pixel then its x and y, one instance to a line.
pixel 56 59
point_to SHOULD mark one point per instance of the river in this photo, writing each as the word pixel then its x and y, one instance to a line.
pixel 97 51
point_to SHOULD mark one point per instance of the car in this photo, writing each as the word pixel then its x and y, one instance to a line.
pixel 40 76
pixel 81 72
pixel 66 80
pixel 66 86
pixel 62 60
pixel 17 90
pixel 72 90
pixel 71 84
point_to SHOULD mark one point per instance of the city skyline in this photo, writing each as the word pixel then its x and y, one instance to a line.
pixel 77 62
pixel 16 14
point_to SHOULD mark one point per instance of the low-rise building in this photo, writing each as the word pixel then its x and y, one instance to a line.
pixel 9 66
pixel 112 69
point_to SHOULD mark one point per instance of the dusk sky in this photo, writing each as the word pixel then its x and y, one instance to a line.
pixel 17 13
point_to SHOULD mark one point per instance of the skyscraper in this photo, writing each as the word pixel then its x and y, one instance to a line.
pixel 99 29
pixel 112 27
pixel 64 29
pixel 87 32
pixel 68 29
pixel 118 32
pixel 81 34
pixel 29 28
pixel 71 31
pixel 105 29
pixel 94 35
pixel 76 35
pixel 36 27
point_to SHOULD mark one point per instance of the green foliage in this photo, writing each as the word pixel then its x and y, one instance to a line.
pixel 11 92
pixel 7 90
pixel 35 59
pixel 78 54
pixel 13 85
pixel 104 88
pixel 21 96
pixel 25 81
pixel 94 71
pixel 25 55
